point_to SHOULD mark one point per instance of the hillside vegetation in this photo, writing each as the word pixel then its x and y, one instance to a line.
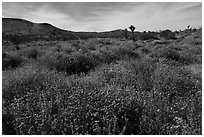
pixel 103 86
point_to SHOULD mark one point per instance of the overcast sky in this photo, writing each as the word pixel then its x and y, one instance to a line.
pixel 108 16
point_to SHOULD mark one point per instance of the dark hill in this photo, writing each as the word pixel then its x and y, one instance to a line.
pixel 20 30
pixel 15 26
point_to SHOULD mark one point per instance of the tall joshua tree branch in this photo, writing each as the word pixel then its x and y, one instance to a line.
pixel 132 28
pixel 188 27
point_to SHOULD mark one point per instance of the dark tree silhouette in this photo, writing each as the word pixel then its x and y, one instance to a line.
pixel 132 28
pixel 125 33
pixel 188 27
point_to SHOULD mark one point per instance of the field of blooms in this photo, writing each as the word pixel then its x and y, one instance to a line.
pixel 103 86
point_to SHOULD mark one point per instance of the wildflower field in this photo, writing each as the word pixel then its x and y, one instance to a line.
pixel 103 86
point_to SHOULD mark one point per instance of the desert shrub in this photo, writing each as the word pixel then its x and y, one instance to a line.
pixel 196 50
pixel 108 56
pixel 57 48
pixel 72 64
pixel 147 36
pixel 116 53
pixel 145 51
pixel 175 55
pixel 191 41
pixel 167 34
pixel 4 55
pixel 91 46
pixel 11 60
pixel 171 55
pixel 32 52
pixel 121 52
pixel 166 53
pixel 83 62
pixel 68 49
pixel 83 49
pixel 189 58
pixel 76 44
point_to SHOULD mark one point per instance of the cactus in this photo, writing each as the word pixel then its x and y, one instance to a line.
pixel 132 28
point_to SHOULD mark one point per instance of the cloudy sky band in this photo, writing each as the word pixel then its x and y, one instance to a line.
pixel 96 16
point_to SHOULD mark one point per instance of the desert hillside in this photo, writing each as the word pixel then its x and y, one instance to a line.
pixel 29 30
pixel 89 83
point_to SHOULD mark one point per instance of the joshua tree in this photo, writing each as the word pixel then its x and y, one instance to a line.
pixel 125 33
pixel 188 27
pixel 132 28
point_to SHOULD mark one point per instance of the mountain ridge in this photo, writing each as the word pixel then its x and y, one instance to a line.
pixel 17 26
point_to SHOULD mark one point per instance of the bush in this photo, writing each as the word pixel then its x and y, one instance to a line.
pixel 173 54
pixel 167 34
pixel 191 41
pixel 145 51
pixel 4 55
pixel 11 60
pixel 32 52
pixel 121 52
pixel 68 49
pixel 116 53
pixel 147 36
pixel 72 64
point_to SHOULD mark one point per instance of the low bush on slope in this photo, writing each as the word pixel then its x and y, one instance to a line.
pixel 11 60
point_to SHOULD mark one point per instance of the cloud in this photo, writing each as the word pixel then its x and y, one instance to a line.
pixel 46 14
pixel 103 16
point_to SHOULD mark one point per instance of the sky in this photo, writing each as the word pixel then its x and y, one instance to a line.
pixel 106 16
